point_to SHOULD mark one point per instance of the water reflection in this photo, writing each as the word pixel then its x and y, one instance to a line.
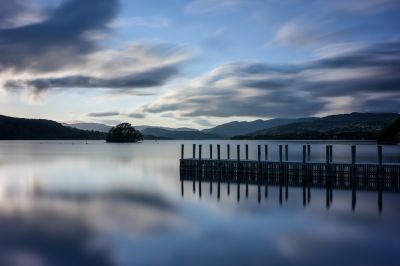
pixel 99 204
pixel 306 199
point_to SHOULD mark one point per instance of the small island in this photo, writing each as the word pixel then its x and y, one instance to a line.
pixel 123 133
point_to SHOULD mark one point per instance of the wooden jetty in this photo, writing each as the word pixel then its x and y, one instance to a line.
pixel 361 176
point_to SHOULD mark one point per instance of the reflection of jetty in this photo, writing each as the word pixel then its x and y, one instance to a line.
pixel 354 176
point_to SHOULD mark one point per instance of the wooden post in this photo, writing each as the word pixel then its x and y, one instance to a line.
pixel 199 151
pixel 331 153
pixel 280 153
pixel 219 152
pixel 211 153
pixel 304 153
pixel 247 152
pixel 228 147
pixel 327 153
pixel 266 152
pixel 182 151
pixel 238 152
pixel 286 152
pixel 259 152
pixel 379 176
pixel 353 167
pixel 308 152
pixel 194 151
pixel 380 155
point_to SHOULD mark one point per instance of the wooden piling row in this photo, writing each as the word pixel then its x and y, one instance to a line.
pixel 384 177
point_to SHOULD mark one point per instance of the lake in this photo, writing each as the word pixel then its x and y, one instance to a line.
pixel 78 203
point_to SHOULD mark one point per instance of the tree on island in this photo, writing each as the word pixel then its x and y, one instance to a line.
pixel 124 133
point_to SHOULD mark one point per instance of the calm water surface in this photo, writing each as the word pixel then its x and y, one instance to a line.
pixel 71 203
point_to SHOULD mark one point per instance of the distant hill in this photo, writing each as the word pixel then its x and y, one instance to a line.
pixel 178 134
pixel 243 127
pixel 143 127
pixel 90 126
pixel 344 126
pixel 39 129
pixel 391 133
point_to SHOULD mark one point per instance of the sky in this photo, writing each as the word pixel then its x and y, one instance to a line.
pixel 197 63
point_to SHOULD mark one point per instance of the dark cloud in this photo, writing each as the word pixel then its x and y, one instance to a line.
pixel 137 115
pixel 149 78
pixel 366 77
pixel 57 41
pixel 103 114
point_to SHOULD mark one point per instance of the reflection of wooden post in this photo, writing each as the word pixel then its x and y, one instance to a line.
pixel 259 152
pixel 194 151
pixel 266 151
pixel 247 152
pixel 353 167
pixel 286 152
pixel 211 153
pixel 182 151
pixel 280 153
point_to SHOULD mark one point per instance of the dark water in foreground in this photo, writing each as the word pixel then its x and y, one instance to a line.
pixel 71 203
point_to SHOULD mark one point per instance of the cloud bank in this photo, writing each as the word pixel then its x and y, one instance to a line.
pixel 365 79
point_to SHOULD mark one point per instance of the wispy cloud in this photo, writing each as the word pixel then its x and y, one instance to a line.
pixel 138 66
pixel 117 113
